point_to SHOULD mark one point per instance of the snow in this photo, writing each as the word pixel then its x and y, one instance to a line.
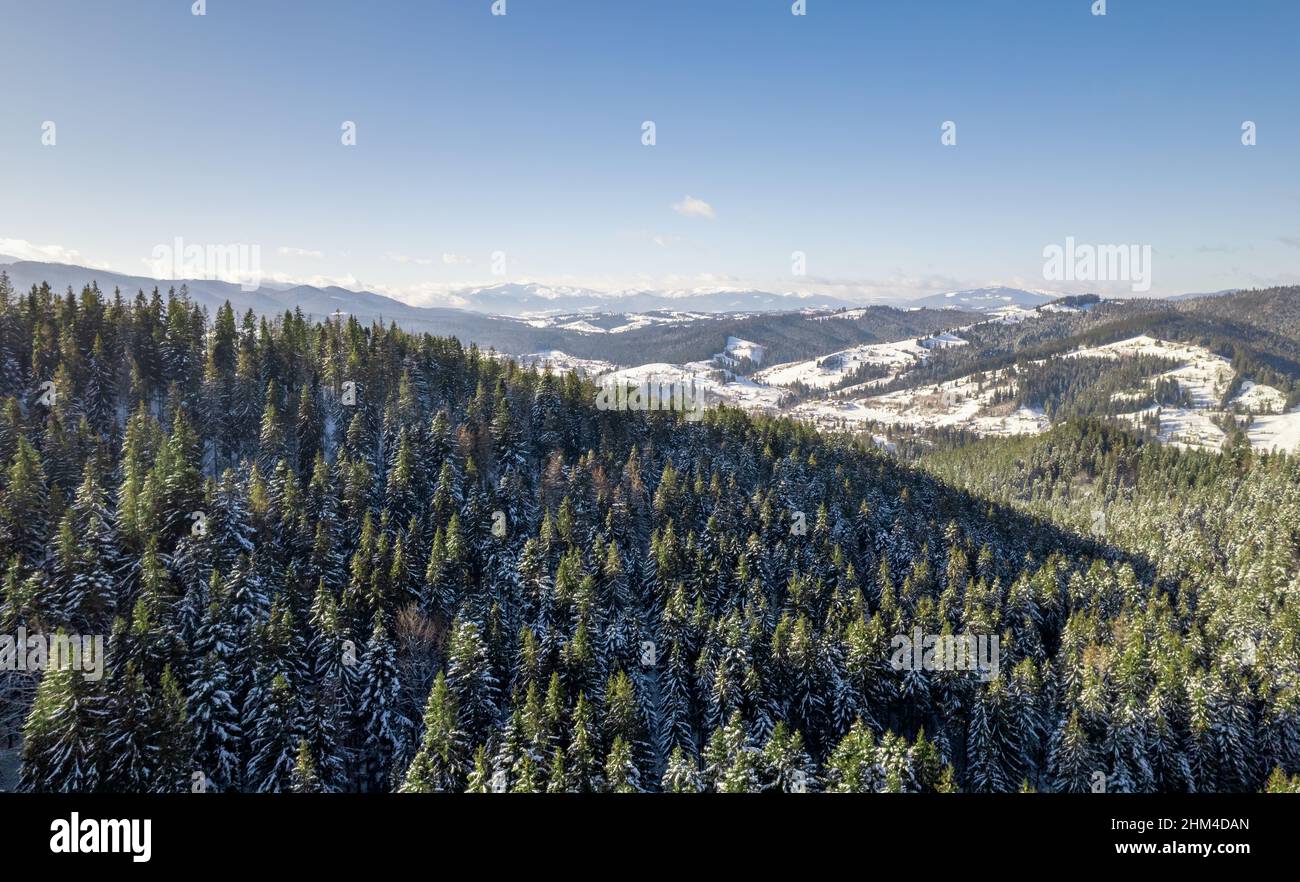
pixel 1276 432
pixel 637 321
pixel 583 323
pixel 1205 377
pixel 824 372
pixel 737 391
pixel 1010 315
pixel 943 341
pixel 563 363
pixel 584 327
pixel 960 403
pixel 738 348
pixel 830 370
pixel 1260 399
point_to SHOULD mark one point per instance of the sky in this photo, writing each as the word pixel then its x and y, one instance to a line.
pixel 492 148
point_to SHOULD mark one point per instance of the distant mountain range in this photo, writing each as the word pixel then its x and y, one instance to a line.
pixel 489 314
pixel 507 335
pixel 516 299
pixel 519 299
pixel 629 329
pixel 1199 296
pixel 988 299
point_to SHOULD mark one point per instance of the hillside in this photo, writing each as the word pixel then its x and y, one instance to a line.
pixel 622 338
pixel 1201 373
pixel 422 569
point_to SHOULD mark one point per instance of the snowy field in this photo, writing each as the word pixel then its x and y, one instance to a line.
pixel 963 403
pixel 736 391
pixel 719 383
pixel 562 363
pixel 584 323
pixel 829 370
pixel 1206 377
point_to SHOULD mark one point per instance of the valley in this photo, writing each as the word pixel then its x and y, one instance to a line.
pixel 1182 393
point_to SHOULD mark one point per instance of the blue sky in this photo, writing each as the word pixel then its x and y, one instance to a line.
pixel 522 134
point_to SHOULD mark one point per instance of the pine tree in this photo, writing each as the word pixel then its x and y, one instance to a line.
pixel 175 760
pixel 787 767
pixel 214 723
pixel 437 767
pixel 682 774
pixel 853 766
pixel 471 683
pixel 621 775
pixel 385 730
pixel 61 753
pixel 581 757
pixel 274 741
pixel 1071 757
pixel 305 779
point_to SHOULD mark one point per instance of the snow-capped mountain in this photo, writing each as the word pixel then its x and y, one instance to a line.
pixel 532 299
pixel 988 299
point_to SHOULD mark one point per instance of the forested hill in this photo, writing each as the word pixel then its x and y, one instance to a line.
pixel 331 557
pixel 663 335
pixel 1258 331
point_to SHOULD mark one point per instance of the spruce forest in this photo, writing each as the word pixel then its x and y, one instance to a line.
pixel 329 556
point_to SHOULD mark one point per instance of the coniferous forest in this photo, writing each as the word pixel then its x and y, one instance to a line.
pixel 334 557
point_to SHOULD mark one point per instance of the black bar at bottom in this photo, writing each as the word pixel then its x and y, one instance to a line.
pixel 656 832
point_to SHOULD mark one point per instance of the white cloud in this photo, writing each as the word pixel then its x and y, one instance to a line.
pixel 402 258
pixel 24 250
pixel 452 259
pixel 692 207
pixel 290 251
pixel 351 282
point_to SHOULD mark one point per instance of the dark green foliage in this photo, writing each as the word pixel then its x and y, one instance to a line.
pixel 308 590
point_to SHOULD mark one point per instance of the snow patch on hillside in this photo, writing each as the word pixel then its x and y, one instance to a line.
pixel 1260 399
pixel 961 403
pixel 982 408
pixel 1206 377
pixel 719 386
pixel 737 349
pixel 831 370
pixel 584 327
pixel 1280 431
pixel 562 363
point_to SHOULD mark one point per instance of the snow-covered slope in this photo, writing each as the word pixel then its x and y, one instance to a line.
pixel 719 386
pixel 830 370
pixel 562 363
pixel 976 405
pixel 737 349
pixel 1206 377
pixel 988 299
pixel 973 405
pixel 962 403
